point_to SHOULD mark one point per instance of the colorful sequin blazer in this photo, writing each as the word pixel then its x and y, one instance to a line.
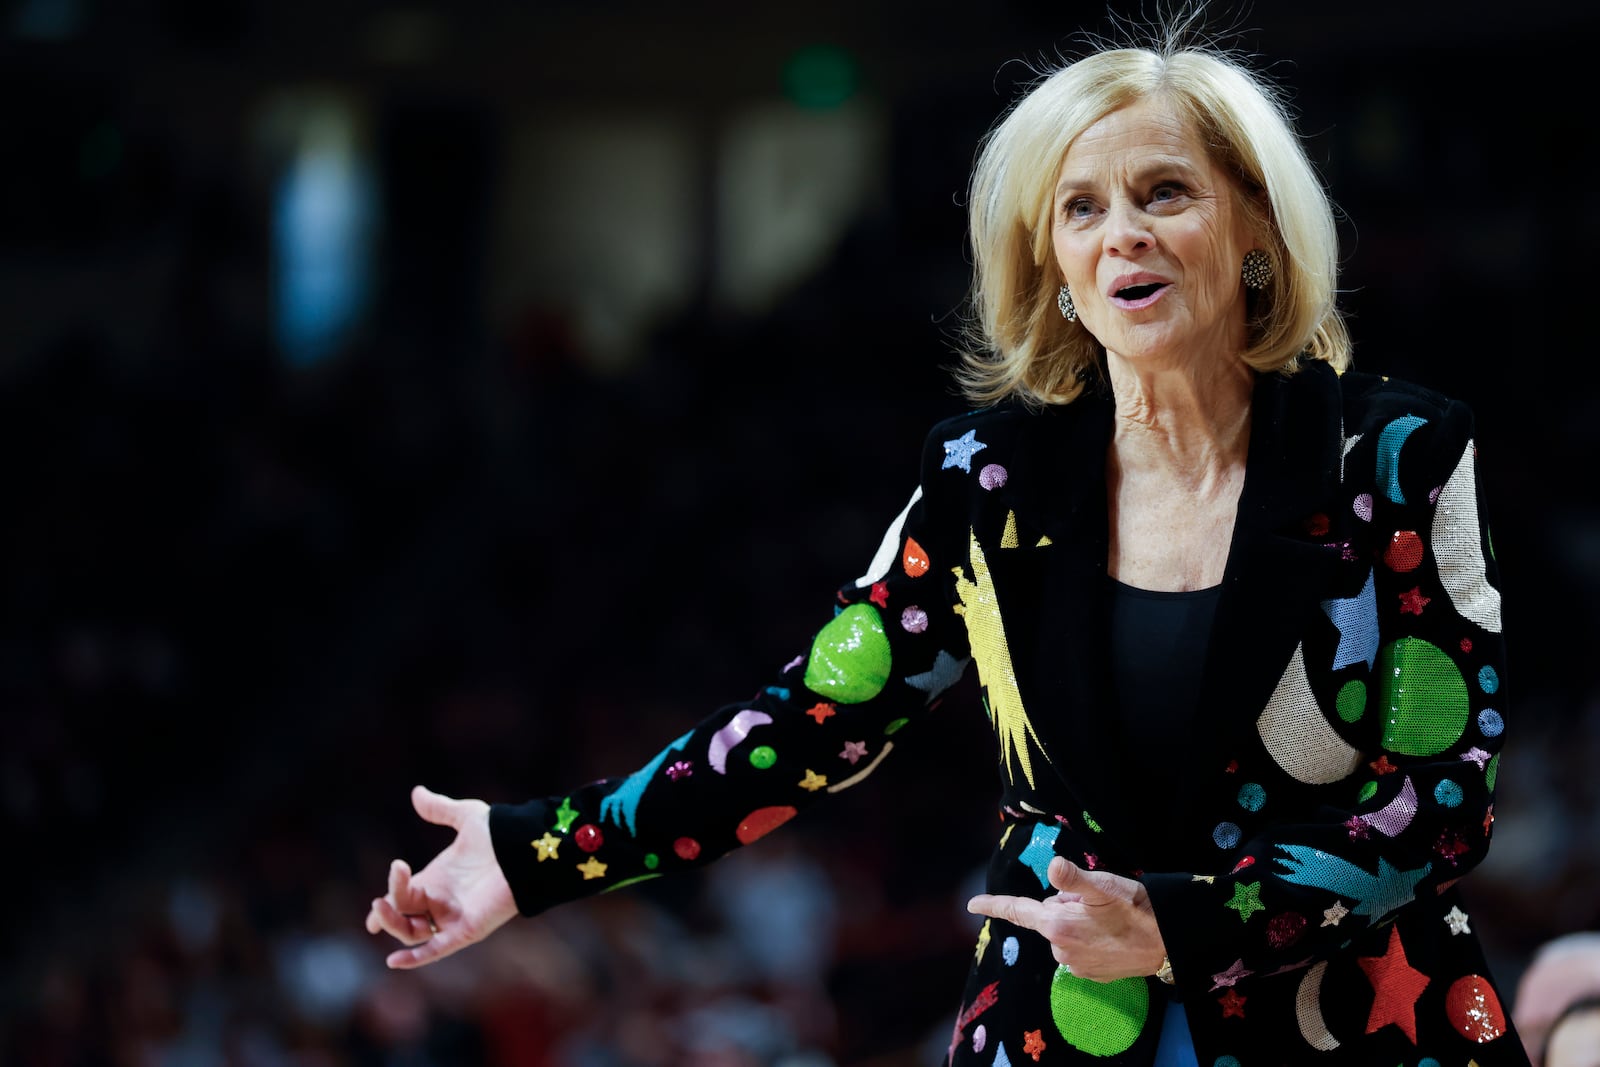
pixel 1343 756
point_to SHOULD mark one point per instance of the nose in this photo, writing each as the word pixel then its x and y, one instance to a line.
pixel 1127 231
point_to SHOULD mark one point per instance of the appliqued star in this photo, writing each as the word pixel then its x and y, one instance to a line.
pixel 1208 879
pixel 592 868
pixel 1232 1004
pixel 1331 916
pixel 1475 755
pixel 547 846
pixel 1230 976
pixel 1033 1044
pixel 821 711
pixel 1412 601
pixel 812 781
pixel 1450 846
pixel 983 939
pixel 1381 765
pixel 1090 860
pixel 959 453
pixel 1376 895
pixel 945 672
pixel 565 815
pixel 1246 900
pixel 1488 818
pixel 1359 829
pixel 1356 619
pixel 1456 919
pixel 1396 985
pixel 853 750
pixel 1039 850
pixel 879 594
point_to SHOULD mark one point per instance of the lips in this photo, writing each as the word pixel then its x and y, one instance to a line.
pixel 1134 291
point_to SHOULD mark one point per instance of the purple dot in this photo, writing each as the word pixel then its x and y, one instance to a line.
pixel 992 476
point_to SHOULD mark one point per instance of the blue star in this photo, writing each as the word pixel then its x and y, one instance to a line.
pixel 945 672
pixel 1378 894
pixel 623 802
pixel 959 453
pixel 1357 620
pixel 1040 851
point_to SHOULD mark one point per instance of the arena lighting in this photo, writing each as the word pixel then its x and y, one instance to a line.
pixel 820 76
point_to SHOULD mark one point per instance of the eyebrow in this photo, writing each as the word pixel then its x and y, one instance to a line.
pixel 1156 167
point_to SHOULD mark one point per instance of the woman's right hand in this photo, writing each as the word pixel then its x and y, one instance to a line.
pixel 459 898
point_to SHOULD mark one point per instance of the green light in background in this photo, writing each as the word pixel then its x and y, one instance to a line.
pixel 820 76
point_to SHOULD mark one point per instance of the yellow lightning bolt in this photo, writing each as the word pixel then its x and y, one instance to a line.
pixel 987 636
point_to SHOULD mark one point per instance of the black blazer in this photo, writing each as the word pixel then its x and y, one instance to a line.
pixel 1350 715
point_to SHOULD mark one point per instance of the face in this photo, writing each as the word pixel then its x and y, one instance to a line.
pixel 1149 238
pixel 1576 1042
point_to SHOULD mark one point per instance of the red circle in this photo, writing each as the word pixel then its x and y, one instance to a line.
pixel 1474 1009
pixel 1404 551
pixel 588 837
pixel 687 848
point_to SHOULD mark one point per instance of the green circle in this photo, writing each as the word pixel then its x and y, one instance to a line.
pixel 1425 695
pixel 850 656
pixel 1367 791
pixel 1100 1018
pixel 651 861
pixel 763 757
pixel 1352 700
pixel 894 726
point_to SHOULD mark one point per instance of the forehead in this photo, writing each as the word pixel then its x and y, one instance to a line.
pixel 1149 132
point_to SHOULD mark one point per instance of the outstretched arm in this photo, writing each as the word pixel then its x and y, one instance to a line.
pixel 458 899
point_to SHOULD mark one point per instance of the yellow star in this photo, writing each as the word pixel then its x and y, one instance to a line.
pixel 813 781
pixel 1209 879
pixel 983 939
pixel 547 846
pixel 592 868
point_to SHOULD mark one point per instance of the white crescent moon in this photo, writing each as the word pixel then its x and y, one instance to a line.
pixel 1308 1011
pixel 1297 733
pixel 1459 550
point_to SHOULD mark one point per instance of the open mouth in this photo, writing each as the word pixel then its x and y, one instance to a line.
pixel 1139 292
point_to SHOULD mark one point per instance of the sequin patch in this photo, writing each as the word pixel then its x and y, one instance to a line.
pixel 1226 835
pixel 980 1038
pixel 1252 796
pixel 687 848
pixel 1488 680
pixel 993 476
pixel 1404 552
pixel 763 756
pixel 1100 1018
pixel 1367 792
pixel 1009 950
pixel 914 560
pixel 850 657
pixel 1474 1009
pixel 1362 506
pixel 1390 441
pixel 1351 703
pixel 1284 930
pixel 588 837
pixel 763 821
pixel 1424 696
pixel 894 726
pixel 913 620
pixel 1448 793
pixel 1490 724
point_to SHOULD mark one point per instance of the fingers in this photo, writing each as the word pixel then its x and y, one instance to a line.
pixel 435 807
pixel 408 929
pixel 1018 911
pixel 1066 876
pixel 436 948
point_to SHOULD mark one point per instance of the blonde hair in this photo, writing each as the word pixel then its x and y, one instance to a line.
pixel 1019 344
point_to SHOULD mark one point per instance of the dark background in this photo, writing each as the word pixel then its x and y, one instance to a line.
pixel 479 394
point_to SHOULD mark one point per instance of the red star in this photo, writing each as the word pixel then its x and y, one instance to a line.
pixel 1450 846
pixel 1412 601
pixel 820 712
pixel 879 594
pixel 1090 860
pixel 1396 985
pixel 1232 767
pixel 1232 1003
pixel 1033 1044
pixel 1359 830
pixel 1382 765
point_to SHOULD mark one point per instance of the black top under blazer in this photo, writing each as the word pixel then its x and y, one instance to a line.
pixel 1344 748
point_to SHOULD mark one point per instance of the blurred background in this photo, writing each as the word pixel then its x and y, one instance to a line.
pixel 478 394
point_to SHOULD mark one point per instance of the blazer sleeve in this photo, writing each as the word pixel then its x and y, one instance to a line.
pixel 822 725
pixel 1419 679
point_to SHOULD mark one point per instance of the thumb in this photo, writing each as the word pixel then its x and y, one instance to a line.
pixel 1068 877
pixel 434 807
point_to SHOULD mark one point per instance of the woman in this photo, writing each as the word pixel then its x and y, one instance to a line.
pixel 1232 608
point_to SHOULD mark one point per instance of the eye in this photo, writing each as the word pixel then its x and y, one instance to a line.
pixel 1078 208
pixel 1167 193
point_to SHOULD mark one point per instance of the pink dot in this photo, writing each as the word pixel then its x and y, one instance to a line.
pixel 914 620
pixel 992 477
pixel 1363 507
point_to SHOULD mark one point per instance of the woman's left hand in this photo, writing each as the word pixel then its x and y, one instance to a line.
pixel 1099 925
